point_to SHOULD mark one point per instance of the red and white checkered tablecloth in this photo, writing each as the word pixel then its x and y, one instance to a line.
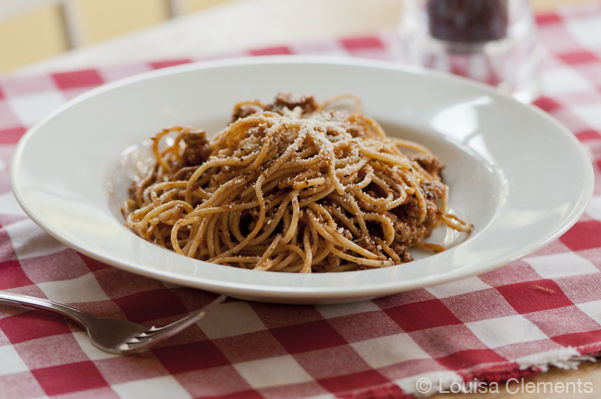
pixel 513 322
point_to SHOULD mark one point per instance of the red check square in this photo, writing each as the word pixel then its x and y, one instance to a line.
pixel 11 136
pixel 547 104
pixel 359 43
pixel 469 358
pixel 93 264
pixel 151 305
pixel 548 18
pixel 12 276
pixel 280 50
pixel 165 64
pixel 579 57
pixel 534 296
pixel 308 336
pixel 422 315
pixel 354 381
pixel 32 325
pixel 242 395
pixel 69 378
pixel 190 357
pixel 579 339
pixel 583 235
pixel 588 135
pixel 73 79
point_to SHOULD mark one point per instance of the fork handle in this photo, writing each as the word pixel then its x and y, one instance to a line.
pixel 75 314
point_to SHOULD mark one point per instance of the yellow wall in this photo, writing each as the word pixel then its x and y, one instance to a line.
pixel 32 37
pixel 105 19
pixel 43 32
pixel 191 6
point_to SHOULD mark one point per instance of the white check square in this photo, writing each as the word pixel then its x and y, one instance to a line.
pixel 563 80
pixel 22 85
pixel 31 108
pixel 505 331
pixel 230 319
pixel 153 388
pixel 10 361
pixel 80 289
pixel 271 372
pixel 384 351
pixel 7 118
pixel 561 265
pixel 9 204
pixel 30 241
pixel 589 113
pixel 345 309
pixel 594 208
pixel 464 286
pixel 330 47
pixel 586 30
pixel 111 73
pixel 592 310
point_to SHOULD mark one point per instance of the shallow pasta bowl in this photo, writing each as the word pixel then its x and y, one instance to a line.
pixel 520 177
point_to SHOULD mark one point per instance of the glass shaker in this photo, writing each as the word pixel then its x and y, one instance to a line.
pixel 492 41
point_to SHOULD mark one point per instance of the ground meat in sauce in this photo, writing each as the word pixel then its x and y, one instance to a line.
pixel 367 243
pixel 403 252
pixel 404 218
pixel 197 148
pixel 283 100
pixel 430 163
pixel 242 112
pixel 433 190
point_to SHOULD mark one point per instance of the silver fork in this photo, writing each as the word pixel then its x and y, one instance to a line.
pixel 115 336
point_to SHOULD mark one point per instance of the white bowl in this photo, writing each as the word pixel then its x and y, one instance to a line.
pixel 519 176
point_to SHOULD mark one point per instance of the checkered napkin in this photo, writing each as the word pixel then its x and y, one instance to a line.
pixel 518 320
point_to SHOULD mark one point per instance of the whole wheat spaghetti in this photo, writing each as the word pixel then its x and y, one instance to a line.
pixel 293 187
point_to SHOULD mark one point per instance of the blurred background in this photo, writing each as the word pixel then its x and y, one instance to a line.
pixel 32 31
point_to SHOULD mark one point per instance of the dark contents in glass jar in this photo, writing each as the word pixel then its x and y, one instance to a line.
pixel 470 21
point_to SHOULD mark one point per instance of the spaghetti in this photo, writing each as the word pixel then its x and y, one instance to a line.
pixel 291 186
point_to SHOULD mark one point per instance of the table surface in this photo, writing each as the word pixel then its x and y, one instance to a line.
pixel 245 24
